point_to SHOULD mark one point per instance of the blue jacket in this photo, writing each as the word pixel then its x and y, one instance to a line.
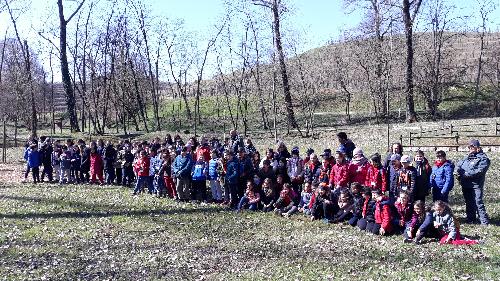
pixel 213 166
pixel 199 171
pixel 472 169
pixel 232 171
pixel 182 166
pixel 442 177
pixel 33 157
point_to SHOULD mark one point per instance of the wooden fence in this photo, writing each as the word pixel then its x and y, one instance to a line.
pixel 455 135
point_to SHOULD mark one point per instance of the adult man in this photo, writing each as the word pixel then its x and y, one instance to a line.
pixel 471 175
pixel 346 144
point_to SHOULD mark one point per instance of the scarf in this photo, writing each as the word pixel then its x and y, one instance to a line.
pixel 439 164
pixel 359 160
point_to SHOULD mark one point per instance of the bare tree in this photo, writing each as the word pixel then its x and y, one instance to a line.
pixel 66 77
pixel 277 8
pixel 486 7
pixel 410 11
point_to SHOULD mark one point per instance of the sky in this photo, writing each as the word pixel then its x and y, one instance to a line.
pixel 317 21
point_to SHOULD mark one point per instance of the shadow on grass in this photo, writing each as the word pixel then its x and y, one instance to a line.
pixel 86 210
pixel 105 214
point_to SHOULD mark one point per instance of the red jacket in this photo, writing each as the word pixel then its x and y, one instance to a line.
pixel 205 151
pixel 404 213
pixel 357 173
pixel 339 174
pixel 376 178
pixel 383 215
pixel 142 167
pixel 96 163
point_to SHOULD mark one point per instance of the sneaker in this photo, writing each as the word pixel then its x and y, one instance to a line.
pixel 325 220
pixel 407 240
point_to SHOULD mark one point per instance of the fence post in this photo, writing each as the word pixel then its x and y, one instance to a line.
pixel 401 139
pixel 451 129
pixel 4 145
pixel 409 138
pixel 496 128
pixel 456 138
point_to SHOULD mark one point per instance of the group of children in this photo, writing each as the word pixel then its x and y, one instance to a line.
pixel 380 197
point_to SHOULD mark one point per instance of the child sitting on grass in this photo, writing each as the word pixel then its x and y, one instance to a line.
pixel 358 200
pixel 368 210
pixel 447 226
pixel 404 211
pixel 323 207
pixel 420 220
pixel 268 197
pixel 305 198
pixel 284 202
pixel 383 216
pixel 346 207
pixel 251 198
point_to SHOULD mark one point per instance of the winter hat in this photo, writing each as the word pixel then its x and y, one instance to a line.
pixel 341 150
pixel 395 157
pixel 310 151
pixel 406 159
pixel 357 151
pixel 474 143
pixel 326 153
pixel 295 151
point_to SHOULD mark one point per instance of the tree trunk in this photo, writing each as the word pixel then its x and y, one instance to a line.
pixel 411 116
pixel 66 78
pixel 281 58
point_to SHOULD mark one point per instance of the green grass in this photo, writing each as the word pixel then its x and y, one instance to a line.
pixel 92 233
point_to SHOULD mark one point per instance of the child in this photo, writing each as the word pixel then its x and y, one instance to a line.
pixel 199 177
pixel 251 198
pixel 85 164
pixel 383 216
pixel 127 162
pixel 46 154
pixel 323 207
pixel 345 207
pixel 284 202
pixel 305 198
pixel 377 177
pixel 161 190
pixel 448 228
pixel 368 210
pixel 56 162
pixel 415 229
pixel 268 195
pixel 404 211
pixel 65 165
pixel 142 170
pixel 96 166
pixel 33 159
pixel 165 174
pixel 76 162
pixel 423 174
pixel 213 177
pixel 358 201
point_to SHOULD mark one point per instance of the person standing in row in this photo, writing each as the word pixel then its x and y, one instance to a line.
pixel 471 175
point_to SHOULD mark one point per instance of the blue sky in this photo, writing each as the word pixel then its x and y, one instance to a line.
pixel 316 21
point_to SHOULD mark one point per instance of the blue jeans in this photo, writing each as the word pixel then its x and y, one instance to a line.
pixel 437 195
pixel 474 204
pixel 110 175
pixel 244 201
pixel 127 175
pixel 142 180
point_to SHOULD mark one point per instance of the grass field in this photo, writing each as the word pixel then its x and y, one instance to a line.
pixel 73 232
pixel 80 232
